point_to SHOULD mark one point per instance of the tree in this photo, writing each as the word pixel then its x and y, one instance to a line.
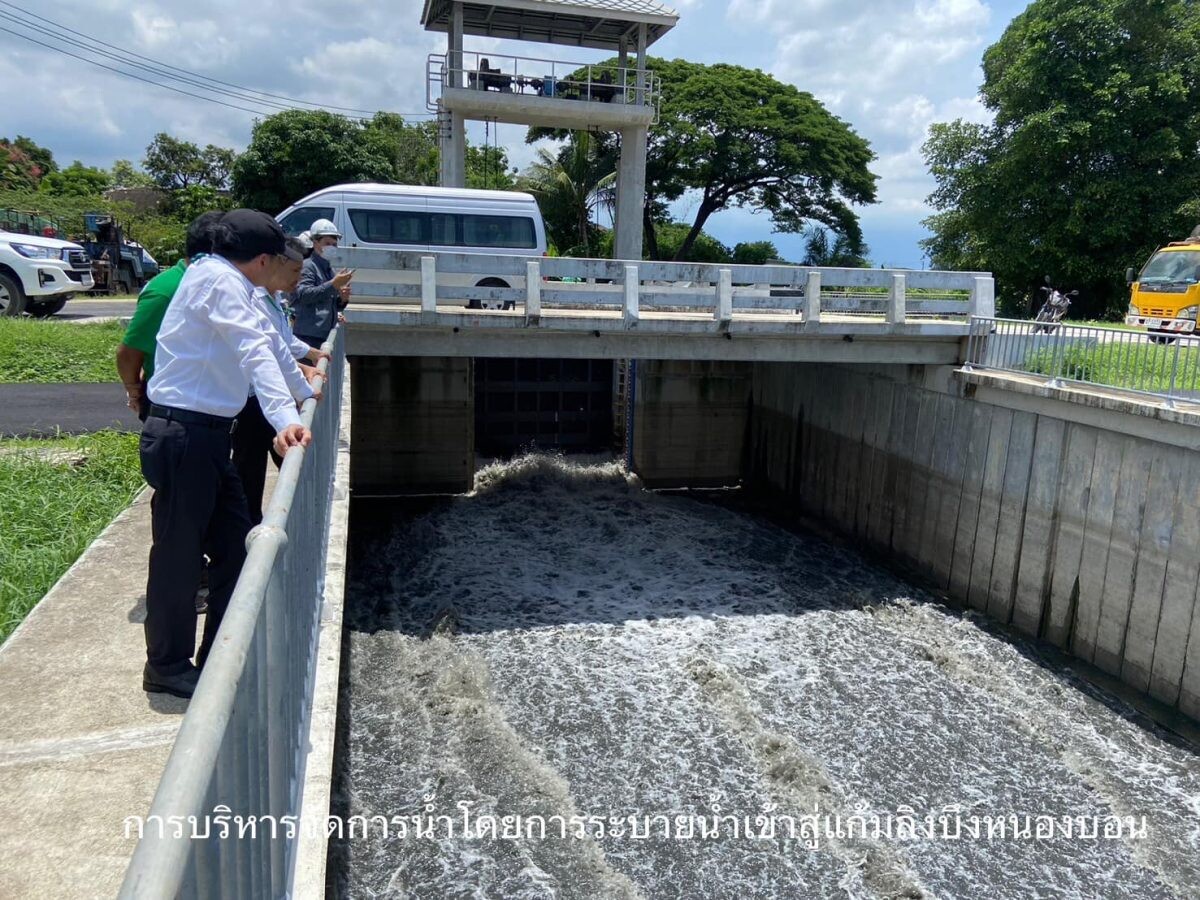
pixel 755 253
pixel 125 174
pixel 1093 158
pixel 820 251
pixel 736 137
pixel 411 150
pixel 23 163
pixel 296 152
pixel 76 180
pixel 569 186
pixel 488 168
pixel 175 164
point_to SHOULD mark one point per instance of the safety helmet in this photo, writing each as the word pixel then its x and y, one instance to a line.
pixel 305 239
pixel 323 228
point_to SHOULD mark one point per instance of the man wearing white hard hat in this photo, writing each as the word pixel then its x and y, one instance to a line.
pixel 321 293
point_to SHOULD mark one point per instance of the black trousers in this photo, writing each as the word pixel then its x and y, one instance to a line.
pixel 199 509
pixel 253 439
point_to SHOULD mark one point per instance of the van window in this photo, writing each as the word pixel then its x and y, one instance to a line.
pixel 301 219
pixel 444 229
pixel 498 231
pixel 382 226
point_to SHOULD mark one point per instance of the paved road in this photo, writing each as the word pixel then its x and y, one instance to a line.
pixel 36 410
pixel 81 309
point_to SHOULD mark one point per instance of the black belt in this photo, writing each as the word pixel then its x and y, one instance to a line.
pixel 190 417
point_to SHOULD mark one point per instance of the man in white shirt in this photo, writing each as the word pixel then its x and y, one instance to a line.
pixel 253 436
pixel 211 347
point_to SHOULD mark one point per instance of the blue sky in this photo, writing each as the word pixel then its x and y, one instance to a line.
pixel 888 67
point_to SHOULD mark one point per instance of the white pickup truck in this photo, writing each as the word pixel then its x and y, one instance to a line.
pixel 38 275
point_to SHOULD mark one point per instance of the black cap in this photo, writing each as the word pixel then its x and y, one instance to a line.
pixel 244 234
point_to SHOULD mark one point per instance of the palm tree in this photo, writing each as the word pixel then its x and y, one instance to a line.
pixel 570 187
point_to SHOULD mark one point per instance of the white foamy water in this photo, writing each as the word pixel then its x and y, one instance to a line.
pixel 564 643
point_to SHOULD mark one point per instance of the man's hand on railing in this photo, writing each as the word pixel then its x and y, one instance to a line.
pixel 311 374
pixel 292 436
pixel 315 355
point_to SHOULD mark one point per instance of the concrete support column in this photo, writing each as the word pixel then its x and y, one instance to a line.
pixel 455 45
pixel 690 422
pixel 454 152
pixel 641 63
pixel 412 425
pixel 631 194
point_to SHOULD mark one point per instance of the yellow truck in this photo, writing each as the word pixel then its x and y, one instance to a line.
pixel 1164 297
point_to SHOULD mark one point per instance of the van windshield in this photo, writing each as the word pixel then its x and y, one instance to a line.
pixel 444 229
pixel 1172 267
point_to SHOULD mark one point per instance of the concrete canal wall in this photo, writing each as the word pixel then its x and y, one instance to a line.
pixel 1074 518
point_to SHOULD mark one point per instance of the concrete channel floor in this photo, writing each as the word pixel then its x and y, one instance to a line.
pixel 81 746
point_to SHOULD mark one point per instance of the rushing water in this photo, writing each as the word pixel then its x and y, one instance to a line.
pixel 563 643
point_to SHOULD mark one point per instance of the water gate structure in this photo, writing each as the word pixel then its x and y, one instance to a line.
pixel 1067 515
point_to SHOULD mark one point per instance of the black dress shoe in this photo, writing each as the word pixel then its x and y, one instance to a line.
pixel 182 684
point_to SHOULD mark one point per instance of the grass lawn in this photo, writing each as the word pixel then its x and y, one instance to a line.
pixel 58 495
pixel 38 351
pixel 1141 366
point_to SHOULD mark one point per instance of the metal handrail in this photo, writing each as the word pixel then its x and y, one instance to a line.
pixel 1162 366
pixel 239 752
pixel 631 85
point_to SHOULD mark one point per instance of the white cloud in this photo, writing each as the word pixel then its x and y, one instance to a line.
pixel 888 67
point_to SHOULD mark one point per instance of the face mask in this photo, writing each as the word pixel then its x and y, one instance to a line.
pixel 327 247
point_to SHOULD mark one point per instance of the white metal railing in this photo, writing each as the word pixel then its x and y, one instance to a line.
pixel 1166 367
pixel 432 278
pixel 549 78
pixel 239 755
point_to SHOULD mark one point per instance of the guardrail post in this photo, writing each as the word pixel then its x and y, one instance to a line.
pixel 724 313
pixel 632 314
pixel 896 294
pixel 428 288
pixel 983 298
pixel 812 298
pixel 533 292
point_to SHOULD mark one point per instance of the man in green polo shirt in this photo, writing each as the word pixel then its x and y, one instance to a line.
pixel 135 354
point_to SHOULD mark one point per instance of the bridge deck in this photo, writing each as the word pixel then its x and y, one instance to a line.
pixel 378 329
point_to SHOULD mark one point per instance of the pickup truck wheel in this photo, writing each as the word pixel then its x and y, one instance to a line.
pixel 42 309
pixel 1162 338
pixel 12 298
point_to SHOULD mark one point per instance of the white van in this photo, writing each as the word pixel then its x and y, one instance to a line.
pixel 416 217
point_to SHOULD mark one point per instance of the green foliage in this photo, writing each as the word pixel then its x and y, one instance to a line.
pixel 570 186
pixel 124 174
pixel 737 137
pixel 65 211
pixel 41 352
pixel 176 164
pixel 670 236
pixel 1093 159
pixel 296 152
pixel 488 168
pixel 819 250
pixel 23 163
pixel 755 253
pixel 76 180
pixel 1143 367
pixel 58 495
pixel 410 150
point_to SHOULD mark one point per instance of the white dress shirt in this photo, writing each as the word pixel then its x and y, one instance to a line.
pixel 212 346
pixel 286 348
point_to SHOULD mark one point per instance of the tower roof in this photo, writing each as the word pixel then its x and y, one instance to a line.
pixel 577 23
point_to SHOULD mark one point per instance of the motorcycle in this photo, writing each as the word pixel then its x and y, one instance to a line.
pixel 1053 309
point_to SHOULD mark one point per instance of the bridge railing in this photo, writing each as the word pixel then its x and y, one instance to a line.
pixel 1165 367
pixel 493 281
pixel 222 823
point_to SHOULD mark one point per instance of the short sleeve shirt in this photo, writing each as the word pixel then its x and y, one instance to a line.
pixel 142 332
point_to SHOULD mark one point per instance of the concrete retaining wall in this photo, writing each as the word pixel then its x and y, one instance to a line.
pixel 413 425
pixel 1082 530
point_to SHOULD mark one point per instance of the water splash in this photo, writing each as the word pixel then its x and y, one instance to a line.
pixel 562 642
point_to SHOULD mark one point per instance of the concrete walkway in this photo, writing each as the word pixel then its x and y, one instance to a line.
pixel 39 410
pixel 81 746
